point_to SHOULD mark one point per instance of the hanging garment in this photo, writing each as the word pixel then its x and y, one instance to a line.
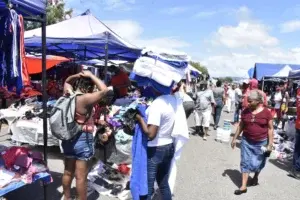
pixel 180 134
pixel 24 69
pixel 139 179
pixel 15 49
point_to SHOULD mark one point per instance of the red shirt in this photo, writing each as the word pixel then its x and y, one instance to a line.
pixel 256 126
pixel 118 80
pixel 298 110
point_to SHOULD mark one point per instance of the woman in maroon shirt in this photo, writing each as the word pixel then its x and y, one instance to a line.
pixel 257 127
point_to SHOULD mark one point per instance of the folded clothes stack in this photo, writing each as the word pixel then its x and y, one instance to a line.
pixel 160 69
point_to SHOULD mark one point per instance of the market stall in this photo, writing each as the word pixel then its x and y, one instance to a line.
pixel 35 11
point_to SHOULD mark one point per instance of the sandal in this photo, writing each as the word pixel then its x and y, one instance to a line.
pixel 239 192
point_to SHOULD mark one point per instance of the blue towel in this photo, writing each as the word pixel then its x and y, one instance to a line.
pixel 139 180
pixel 145 81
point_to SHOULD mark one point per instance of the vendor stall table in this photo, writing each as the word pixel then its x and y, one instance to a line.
pixel 44 177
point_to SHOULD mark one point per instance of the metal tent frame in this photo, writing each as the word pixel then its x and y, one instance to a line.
pixel 42 18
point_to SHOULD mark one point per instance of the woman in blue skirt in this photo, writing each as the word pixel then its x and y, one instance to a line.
pixel 257 139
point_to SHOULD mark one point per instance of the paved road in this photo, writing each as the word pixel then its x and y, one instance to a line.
pixel 207 170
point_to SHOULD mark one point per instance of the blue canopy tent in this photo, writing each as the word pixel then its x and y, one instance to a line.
pixel 262 70
pixel 34 10
pixel 251 72
pixel 28 8
pixel 92 47
pixel 294 74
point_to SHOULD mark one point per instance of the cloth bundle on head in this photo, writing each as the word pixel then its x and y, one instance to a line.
pixel 160 69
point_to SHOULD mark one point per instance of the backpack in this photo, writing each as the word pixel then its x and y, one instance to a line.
pixel 62 118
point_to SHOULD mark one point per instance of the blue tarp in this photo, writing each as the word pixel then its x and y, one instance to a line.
pixel 268 70
pixel 26 7
pixel 85 48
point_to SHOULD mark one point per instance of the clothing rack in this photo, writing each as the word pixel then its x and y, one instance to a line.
pixel 43 20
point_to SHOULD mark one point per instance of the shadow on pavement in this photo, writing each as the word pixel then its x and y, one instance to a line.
pixel 283 165
pixel 234 175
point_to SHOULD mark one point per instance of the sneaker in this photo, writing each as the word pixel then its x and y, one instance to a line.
pixel 204 138
pixel 295 174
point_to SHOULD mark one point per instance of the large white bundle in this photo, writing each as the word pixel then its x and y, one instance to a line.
pixel 161 66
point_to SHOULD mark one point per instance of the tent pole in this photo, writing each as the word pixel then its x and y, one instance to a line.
pixel 44 82
pixel 106 60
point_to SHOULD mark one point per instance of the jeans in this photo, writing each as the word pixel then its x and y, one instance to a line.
pixel 81 147
pixel 237 113
pixel 296 159
pixel 217 115
pixel 159 162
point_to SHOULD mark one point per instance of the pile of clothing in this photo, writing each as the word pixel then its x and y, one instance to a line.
pixel 110 180
pixel 284 145
pixel 25 119
pixel 19 164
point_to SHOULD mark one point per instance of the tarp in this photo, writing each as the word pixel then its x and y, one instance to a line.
pixel 270 70
pixel 294 74
pixel 26 7
pixel 83 36
pixel 34 64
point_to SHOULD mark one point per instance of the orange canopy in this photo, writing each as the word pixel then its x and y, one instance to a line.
pixel 34 64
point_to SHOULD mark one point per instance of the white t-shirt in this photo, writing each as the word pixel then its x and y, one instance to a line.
pixel 278 99
pixel 161 113
pixel 231 94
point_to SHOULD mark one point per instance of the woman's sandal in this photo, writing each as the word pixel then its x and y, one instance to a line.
pixel 239 192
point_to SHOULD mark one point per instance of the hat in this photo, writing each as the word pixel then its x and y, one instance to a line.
pixel 246 81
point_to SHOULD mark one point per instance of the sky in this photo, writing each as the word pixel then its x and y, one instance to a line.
pixel 227 36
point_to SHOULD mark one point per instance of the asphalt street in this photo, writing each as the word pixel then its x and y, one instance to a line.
pixel 207 170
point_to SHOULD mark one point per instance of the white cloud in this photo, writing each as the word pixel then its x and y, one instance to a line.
pixel 206 14
pixel 253 42
pixel 132 31
pixel 245 34
pixel 237 65
pixel 175 10
pixel 290 26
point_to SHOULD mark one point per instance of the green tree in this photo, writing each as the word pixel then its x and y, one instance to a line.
pixel 199 67
pixel 55 13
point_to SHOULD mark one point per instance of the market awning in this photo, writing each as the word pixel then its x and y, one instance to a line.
pixel 25 7
pixel 294 74
pixel 272 70
pixel 83 37
pixel 92 47
pixel 34 64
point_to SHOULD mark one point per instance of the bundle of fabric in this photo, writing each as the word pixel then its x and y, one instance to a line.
pixel 160 69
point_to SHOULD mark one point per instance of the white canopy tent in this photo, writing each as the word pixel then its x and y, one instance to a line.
pixel 82 26
pixel 284 72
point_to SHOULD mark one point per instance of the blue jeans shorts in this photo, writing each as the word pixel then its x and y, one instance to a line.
pixel 81 147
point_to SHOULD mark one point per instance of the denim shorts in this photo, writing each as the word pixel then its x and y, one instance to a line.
pixel 81 147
